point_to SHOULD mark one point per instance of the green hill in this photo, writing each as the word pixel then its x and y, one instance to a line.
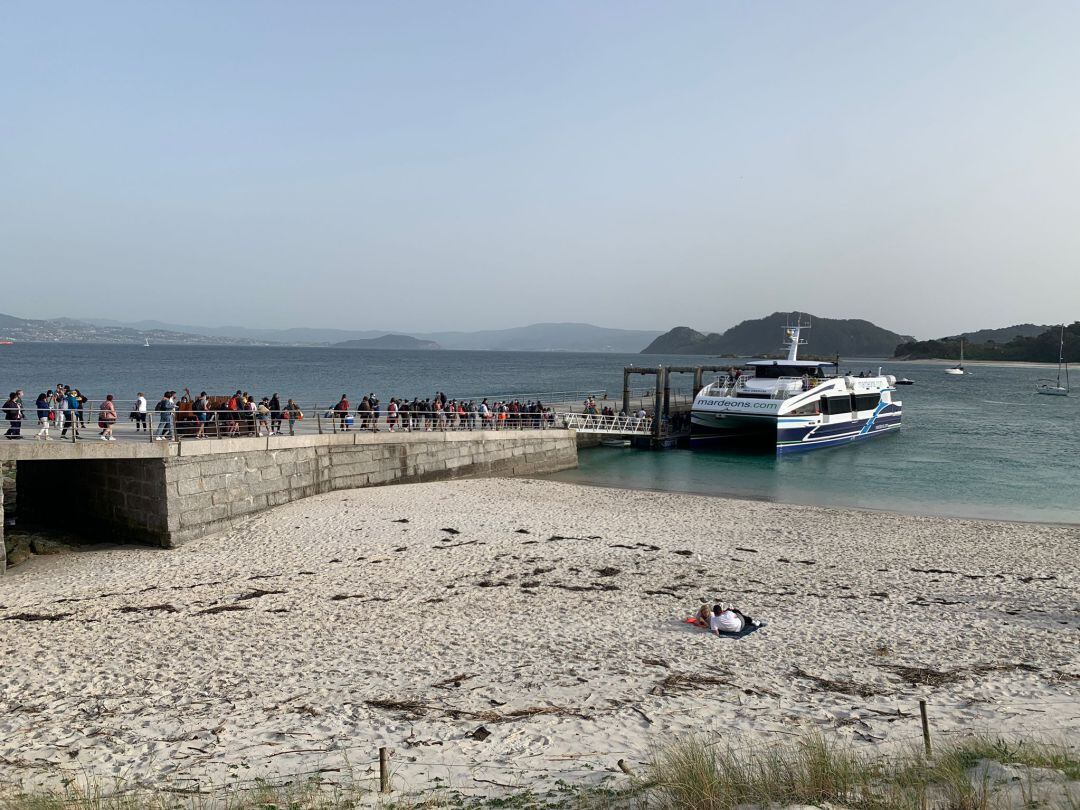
pixel 764 336
pixel 1042 348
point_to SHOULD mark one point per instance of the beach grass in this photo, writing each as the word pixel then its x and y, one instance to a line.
pixel 691 774
pixel 696 775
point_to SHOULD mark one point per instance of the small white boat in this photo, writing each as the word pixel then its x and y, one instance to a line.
pixel 905 381
pixel 960 368
pixel 146 342
pixel 1054 388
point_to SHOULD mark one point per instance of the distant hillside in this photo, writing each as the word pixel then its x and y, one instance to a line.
pixel 578 337
pixel 764 336
pixel 1042 348
pixel 1005 334
pixel 388 342
pixel 69 330
pixel 540 337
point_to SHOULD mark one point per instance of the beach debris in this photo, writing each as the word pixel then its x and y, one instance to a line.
pixel 338 597
pixel 456 545
pixel 846 687
pixel 401 548
pixel 926 676
pixel 256 594
pixel 656 662
pixel 521 531
pixel 37 617
pixel 530 584
pixel 596 586
pixel 607 571
pixel 400 520
pixel 415 709
pixel 450 531
pixel 684 552
pixel 750 550
pixel 454 680
pixel 663 593
pixel 163 608
pixel 688 682
pixel 222 609
pixel 481 734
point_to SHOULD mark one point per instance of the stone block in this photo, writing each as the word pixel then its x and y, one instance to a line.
pixel 189 486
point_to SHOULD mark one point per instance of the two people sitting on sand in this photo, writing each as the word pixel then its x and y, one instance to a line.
pixel 725 619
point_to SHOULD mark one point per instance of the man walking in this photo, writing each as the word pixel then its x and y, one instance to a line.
pixel 167 418
pixel 14 413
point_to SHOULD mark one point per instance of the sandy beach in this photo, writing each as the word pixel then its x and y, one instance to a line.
pixel 551 617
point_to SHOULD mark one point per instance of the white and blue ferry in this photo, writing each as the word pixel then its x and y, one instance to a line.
pixel 794 404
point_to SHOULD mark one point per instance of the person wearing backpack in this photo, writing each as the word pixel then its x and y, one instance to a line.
pixel 166 409
pixel 14 413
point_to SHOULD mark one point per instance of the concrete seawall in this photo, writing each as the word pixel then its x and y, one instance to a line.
pixel 168 493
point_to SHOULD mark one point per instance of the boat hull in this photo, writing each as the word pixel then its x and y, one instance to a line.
pixel 788 434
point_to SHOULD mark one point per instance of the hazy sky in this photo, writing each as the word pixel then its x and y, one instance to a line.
pixel 485 164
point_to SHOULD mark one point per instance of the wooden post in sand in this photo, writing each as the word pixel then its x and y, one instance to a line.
pixel 925 729
pixel 384 770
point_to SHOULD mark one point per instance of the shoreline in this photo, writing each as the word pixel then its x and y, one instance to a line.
pixel 550 614
pixel 557 477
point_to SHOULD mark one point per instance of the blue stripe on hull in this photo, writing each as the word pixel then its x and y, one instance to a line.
pixel 802 438
pixel 802 447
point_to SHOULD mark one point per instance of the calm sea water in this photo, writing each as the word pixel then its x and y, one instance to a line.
pixel 982 445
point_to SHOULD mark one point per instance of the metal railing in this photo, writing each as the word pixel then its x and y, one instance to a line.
pixel 183 422
pixel 597 423
pixel 750 385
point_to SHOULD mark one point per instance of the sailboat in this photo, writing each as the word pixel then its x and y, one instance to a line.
pixel 146 342
pixel 1056 389
pixel 960 368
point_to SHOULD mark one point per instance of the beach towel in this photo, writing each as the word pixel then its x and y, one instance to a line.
pixel 750 628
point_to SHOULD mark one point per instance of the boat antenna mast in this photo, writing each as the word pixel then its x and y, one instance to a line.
pixel 792 342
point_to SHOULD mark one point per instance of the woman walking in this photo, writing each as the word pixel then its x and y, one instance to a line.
pixel 107 418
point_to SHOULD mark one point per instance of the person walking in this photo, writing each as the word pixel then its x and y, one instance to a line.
pixel 275 415
pixel 106 418
pixel 166 409
pixel 139 414
pixel 13 413
pixel 43 408
pixel 80 407
pixel 341 410
pixel 71 399
pixel 293 413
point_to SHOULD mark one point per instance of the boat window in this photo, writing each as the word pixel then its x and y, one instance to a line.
pixel 835 405
pixel 867 402
pixel 780 370
pixel 809 409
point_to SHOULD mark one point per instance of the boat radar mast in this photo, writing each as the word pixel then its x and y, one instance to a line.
pixel 791 337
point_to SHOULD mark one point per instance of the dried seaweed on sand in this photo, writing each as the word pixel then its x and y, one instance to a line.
pixel 844 687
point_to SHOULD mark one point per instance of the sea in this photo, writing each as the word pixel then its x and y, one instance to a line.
pixel 982 445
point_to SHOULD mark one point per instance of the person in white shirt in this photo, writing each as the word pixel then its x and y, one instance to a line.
pixel 139 414
pixel 726 620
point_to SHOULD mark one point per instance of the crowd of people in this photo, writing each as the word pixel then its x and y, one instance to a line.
pixel 439 413
pixel 63 411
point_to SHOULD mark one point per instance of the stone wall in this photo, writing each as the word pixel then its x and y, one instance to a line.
pixel 208 486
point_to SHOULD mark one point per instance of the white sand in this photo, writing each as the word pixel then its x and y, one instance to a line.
pixel 282 686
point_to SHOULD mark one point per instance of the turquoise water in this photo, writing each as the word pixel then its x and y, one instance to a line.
pixel 982 445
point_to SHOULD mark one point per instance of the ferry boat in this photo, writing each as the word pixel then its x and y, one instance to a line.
pixel 794 405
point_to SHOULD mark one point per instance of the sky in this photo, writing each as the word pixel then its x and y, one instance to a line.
pixel 424 166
